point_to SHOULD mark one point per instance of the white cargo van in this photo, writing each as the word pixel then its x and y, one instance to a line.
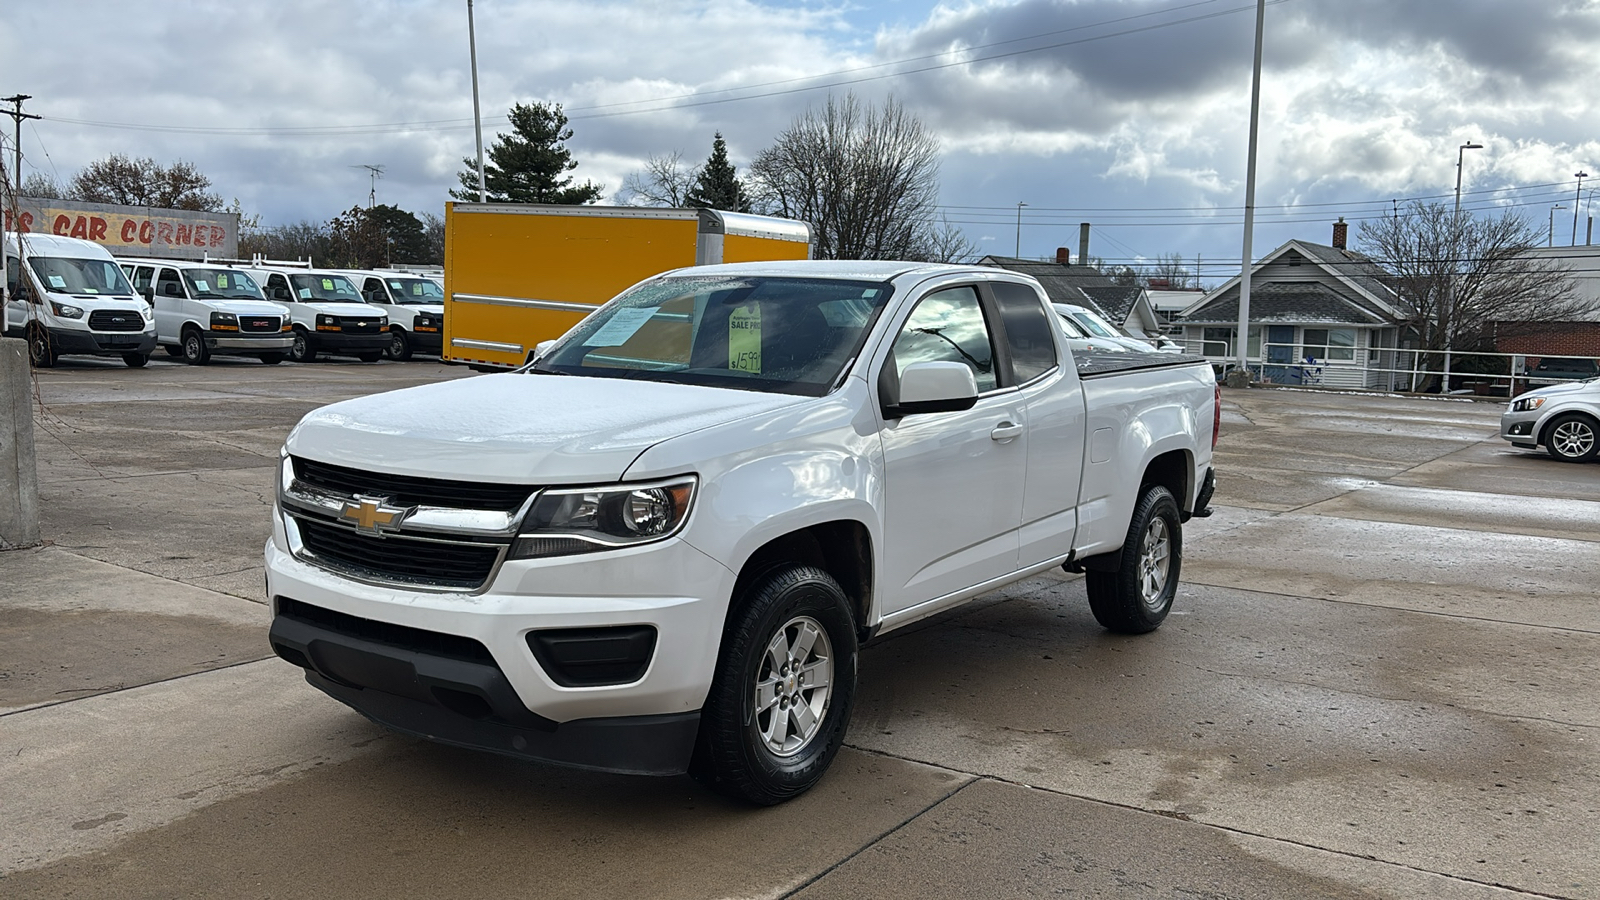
pixel 73 299
pixel 414 304
pixel 326 313
pixel 204 308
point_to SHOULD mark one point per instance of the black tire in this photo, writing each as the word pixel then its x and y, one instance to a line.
pixel 399 345
pixel 173 350
pixel 1136 598
pixel 1572 438
pixel 735 753
pixel 301 350
pixel 272 359
pixel 133 359
pixel 372 357
pixel 195 351
pixel 40 351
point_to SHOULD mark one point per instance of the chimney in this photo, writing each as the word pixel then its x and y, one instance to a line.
pixel 1063 256
pixel 1083 244
pixel 1340 232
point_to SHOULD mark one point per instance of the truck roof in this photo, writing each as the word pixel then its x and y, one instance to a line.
pixel 57 245
pixel 852 269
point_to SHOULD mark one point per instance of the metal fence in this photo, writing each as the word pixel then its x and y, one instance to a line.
pixel 1390 369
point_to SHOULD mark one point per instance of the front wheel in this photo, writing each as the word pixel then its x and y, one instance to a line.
pixel 1571 438
pixel 40 353
pixel 133 359
pixel 399 345
pixel 272 359
pixel 195 351
pixel 301 350
pixel 372 357
pixel 1137 597
pixel 781 696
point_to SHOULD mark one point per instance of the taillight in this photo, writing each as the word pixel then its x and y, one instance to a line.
pixel 1216 416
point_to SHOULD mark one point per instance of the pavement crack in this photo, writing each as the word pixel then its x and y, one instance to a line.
pixel 131 687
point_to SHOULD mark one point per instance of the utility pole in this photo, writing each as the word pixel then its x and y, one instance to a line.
pixel 376 172
pixel 1018 251
pixel 17 115
pixel 1243 337
pixel 1581 175
pixel 477 116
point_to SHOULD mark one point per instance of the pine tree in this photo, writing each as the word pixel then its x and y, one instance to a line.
pixel 718 187
pixel 530 165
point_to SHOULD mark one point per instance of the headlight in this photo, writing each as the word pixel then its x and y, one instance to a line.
pixel 221 321
pixel 288 324
pixel 66 310
pixel 327 323
pixel 584 520
pixel 1527 404
pixel 148 313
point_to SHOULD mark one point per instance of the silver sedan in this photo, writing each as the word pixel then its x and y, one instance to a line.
pixel 1564 418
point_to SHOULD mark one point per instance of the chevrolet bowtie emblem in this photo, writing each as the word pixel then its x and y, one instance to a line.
pixel 374 515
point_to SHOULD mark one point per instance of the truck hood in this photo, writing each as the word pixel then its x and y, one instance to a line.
pixel 342 308
pixel 247 307
pixel 518 428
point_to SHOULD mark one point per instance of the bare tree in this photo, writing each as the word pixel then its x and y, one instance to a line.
pixel 433 232
pixel 42 187
pixel 303 240
pixel 144 182
pixel 865 178
pixel 947 244
pixel 1171 267
pixel 665 181
pixel 1467 275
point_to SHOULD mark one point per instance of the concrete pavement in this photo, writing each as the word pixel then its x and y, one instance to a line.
pixel 1377 682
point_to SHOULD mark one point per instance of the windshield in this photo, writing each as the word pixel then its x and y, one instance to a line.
pixel 324 287
pixel 1070 327
pixel 79 276
pixel 786 335
pixel 223 284
pixel 414 291
pixel 1095 325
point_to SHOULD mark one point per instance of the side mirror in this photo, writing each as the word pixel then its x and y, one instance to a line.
pixel 932 387
pixel 543 347
pixel 149 294
pixel 281 293
pixel 172 289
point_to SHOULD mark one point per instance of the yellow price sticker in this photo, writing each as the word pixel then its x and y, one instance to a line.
pixel 744 339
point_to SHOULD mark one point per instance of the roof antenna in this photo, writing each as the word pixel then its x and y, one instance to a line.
pixel 376 171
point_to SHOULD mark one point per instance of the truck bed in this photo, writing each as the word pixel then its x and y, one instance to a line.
pixel 1100 364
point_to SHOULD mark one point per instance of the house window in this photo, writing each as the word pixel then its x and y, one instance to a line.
pixel 1219 342
pixel 1329 343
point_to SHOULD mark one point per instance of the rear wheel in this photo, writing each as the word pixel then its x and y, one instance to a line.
pixel 173 350
pixel 399 345
pixel 195 352
pixel 134 359
pixel 272 359
pixel 1571 438
pixel 40 352
pixel 1137 597
pixel 301 350
pixel 781 695
pixel 372 357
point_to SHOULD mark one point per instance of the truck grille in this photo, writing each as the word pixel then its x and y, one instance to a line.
pixel 359 326
pixel 260 324
pixel 407 490
pixel 116 320
pixel 399 558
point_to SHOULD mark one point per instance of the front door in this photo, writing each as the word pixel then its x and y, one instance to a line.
pixel 953 481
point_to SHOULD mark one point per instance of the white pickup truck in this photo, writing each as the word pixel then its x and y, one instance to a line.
pixel 657 548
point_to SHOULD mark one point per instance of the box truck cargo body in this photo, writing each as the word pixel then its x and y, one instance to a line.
pixel 519 274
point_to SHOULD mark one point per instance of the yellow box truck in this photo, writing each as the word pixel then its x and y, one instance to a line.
pixel 517 274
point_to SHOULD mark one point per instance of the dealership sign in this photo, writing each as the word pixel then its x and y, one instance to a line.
pixel 132 230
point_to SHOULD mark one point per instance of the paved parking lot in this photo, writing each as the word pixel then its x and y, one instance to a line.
pixel 1377 682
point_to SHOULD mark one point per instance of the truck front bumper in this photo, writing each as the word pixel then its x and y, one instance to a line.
pixel 467 669
pixel 338 342
pixel 101 343
pixel 226 344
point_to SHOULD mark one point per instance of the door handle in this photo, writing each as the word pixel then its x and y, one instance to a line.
pixel 1006 431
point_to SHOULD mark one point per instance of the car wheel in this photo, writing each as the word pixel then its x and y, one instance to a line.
pixel 272 359
pixel 399 345
pixel 781 695
pixel 1136 598
pixel 301 350
pixel 40 353
pixel 372 357
pixel 195 352
pixel 1571 438
pixel 133 359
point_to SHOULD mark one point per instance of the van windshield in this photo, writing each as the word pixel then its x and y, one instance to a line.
pixel 782 335
pixel 414 291
pixel 221 284
pixel 65 275
pixel 324 287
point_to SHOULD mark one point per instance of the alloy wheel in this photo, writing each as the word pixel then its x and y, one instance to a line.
pixel 793 686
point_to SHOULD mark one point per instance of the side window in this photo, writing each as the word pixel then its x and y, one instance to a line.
pixel 13 275
pixel 142 276
pixel 373 289
pixel 948 326
pixel 168 277
pixel 1028 330
pixel 276 283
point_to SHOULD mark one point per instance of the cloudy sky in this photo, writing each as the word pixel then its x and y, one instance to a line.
pixel 1129 114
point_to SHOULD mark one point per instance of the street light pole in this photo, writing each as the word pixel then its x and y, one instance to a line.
pixel 477 116
pixel 1460 156
pixel 1576 202
pixel 1018 252
pixel 1550 237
